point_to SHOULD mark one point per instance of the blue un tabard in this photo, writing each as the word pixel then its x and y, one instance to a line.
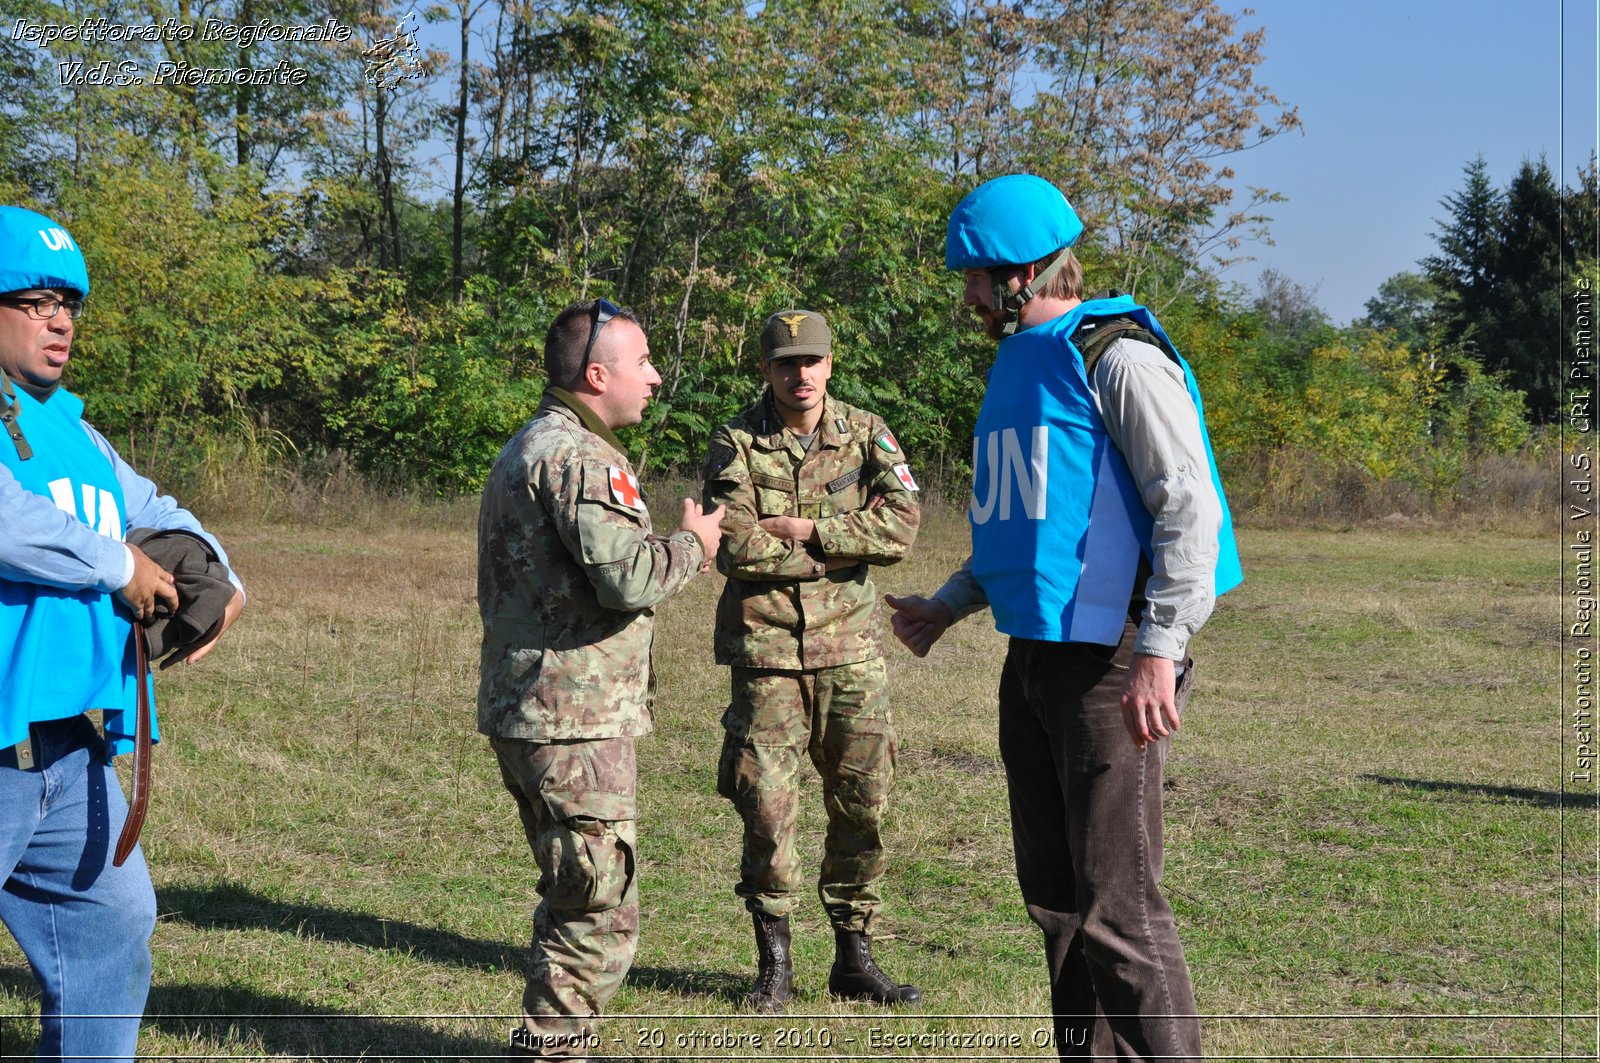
pixel 63 651
pixel 1058 525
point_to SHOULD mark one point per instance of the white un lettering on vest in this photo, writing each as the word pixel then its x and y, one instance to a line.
pixel 1007 468
pixel 99 506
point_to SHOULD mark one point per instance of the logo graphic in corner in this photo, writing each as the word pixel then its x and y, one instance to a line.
pixel 625 488
pixel 793 321
pixel 392 60
pixel 902 472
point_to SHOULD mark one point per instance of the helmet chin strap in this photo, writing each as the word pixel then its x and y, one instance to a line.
pixel 1012 302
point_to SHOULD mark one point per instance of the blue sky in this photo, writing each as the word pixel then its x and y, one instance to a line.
pixel 1397 97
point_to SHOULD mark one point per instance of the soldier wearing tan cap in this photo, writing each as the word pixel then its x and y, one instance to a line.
pixel 816 491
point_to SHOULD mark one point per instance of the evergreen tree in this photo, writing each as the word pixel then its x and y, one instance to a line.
pixel 1522 330
pixel 1464 268
pixel 1580 220
pixel 1502 255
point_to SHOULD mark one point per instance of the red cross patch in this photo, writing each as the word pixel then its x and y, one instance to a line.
pixel 625 488
pixel 903 473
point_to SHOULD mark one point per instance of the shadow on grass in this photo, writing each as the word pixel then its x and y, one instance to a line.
pixel 18 980
pixel 231 907
pixel 1543 798
pixel 283 1025
pixel 249 1024
pixel 716 985
pixel 252 1025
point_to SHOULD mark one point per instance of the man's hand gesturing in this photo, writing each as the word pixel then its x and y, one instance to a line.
pixel 707 527
pixel 918 622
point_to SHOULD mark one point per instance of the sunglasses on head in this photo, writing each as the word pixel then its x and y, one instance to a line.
pixel 602 311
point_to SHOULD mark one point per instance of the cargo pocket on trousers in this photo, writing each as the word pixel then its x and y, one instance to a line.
pixel 596 865
pixel 858 765
pixel 736 767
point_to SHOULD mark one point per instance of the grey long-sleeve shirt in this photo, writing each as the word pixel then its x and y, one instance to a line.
pixel 1145 405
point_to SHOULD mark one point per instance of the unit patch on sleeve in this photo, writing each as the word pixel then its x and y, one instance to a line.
pixel 719 458
pixel 903 473
pixel 887 442
pixel 625 488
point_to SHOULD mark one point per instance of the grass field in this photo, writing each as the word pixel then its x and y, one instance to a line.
pixel 1368 848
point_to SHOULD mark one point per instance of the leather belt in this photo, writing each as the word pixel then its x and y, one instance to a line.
pixel 140 800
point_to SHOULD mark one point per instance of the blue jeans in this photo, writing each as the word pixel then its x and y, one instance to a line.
pixel 83 924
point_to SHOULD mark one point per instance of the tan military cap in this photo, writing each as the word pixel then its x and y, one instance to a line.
pixel 792 333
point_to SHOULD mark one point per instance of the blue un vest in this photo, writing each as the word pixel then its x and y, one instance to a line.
pixel 64 651
pixel 1057 522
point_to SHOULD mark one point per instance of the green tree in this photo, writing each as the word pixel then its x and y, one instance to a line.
pixel 1143 107
pixel 277 251
pixel 1407 305
pixel 188 322
pixel 1522 333
pixel 1464 269
pixel 1502 256
pixel 1580 217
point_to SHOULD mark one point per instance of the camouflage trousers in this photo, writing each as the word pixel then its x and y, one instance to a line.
pixel 577 804
pixel 840 716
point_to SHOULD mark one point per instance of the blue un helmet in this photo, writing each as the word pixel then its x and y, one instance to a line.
pixel 35 252
pixel 1011 221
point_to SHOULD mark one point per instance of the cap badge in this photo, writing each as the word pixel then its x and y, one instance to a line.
pixel 793 321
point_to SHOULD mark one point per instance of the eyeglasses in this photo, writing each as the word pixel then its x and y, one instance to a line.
pixel 602 311
pixel 45 307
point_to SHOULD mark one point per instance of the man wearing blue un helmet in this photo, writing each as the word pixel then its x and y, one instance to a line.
pixel 70 591
pixel 1100 539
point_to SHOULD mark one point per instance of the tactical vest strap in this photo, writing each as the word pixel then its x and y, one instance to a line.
pixel 8 417
pixel 1094 336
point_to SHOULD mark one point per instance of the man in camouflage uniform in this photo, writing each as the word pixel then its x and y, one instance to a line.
pixel 568 577
pixel 815 491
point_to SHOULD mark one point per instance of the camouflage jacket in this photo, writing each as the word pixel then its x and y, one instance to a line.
pixel 781 608
pixel 568 573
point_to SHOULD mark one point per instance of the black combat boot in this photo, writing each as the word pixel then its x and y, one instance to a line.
pixel 774 986
pixel 856 977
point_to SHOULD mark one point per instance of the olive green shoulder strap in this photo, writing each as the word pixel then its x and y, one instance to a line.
pixel 8 417
pixel 1093 338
